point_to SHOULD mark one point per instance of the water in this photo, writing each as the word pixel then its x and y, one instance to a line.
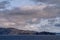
pixel 30 37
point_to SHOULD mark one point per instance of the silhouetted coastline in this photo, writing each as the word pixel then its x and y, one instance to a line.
pixel 12 31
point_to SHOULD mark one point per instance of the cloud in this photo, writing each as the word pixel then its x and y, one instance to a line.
pixel 28 17
pixel 45 25
pixel 48 1
pixel 3 4
pixel 44 10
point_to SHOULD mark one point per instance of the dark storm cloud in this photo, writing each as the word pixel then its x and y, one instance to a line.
pixel 33 11
pixel 17 11
pixel 39 11
pixel 3 4
pixel 52 10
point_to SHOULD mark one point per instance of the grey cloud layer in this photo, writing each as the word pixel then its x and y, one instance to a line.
pixel 28 17
pixel 36 11
pixel 21 18
pixel 48 1
pixel 3 4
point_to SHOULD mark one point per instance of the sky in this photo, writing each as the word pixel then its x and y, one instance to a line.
pixel 33 15
pixel 18 3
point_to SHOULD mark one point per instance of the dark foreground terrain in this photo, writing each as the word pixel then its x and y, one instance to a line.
pixel 12 31
pixel 30 37
pixel 15 34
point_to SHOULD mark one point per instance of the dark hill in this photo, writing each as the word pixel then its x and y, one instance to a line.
pixel 45 33
pixel 12 31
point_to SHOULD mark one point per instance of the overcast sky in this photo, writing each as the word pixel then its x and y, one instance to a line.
pixel 27 14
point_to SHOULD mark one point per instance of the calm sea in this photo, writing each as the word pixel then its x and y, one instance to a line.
pixel 29 37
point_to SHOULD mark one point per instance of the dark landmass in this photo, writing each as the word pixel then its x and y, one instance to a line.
pixel 45 33
pixel 12 31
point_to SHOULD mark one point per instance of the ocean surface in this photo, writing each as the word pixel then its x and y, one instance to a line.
pixel 29 37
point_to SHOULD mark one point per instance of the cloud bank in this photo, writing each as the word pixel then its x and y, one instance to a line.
pixel 48 1
pixel 32 17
